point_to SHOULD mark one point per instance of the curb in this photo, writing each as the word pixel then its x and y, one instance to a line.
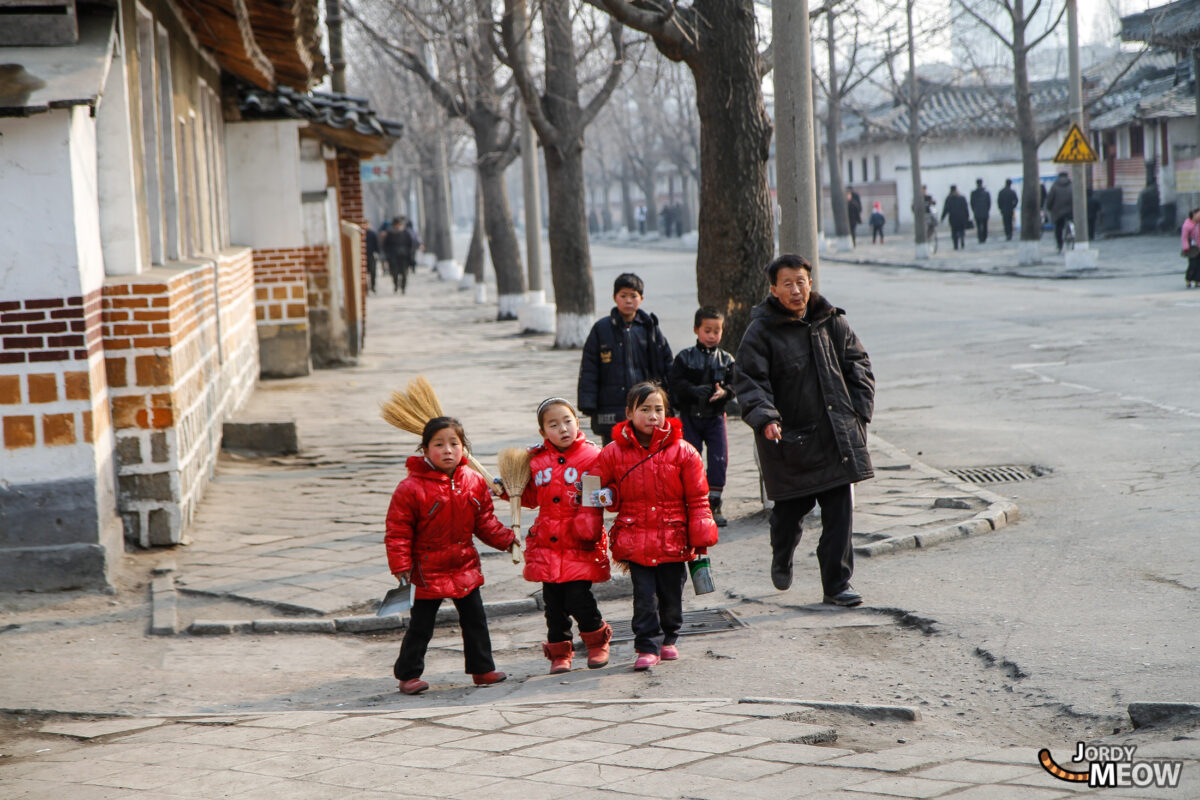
pixel 1004 272
pixel 999 513
pixel 363 624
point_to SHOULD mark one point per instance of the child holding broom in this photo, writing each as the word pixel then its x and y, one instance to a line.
pixel 566 548
pixel 433 515
pixel 663 518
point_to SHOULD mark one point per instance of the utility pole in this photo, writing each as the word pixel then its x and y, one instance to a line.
pixel 536 315
pixel 795 152
pixel 1082 255
pixel 337 60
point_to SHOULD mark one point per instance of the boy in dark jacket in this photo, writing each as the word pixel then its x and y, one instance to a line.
pixel 622 350
pixel 700 378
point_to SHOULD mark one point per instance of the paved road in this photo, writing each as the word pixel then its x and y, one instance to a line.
pixel 1095 597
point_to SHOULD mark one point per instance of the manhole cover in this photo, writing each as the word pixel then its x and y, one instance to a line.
pixel 1004 473
pixel 708 620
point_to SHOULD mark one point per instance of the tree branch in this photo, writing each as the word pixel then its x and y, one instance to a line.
pixel 661 23
pixel 515 13
pixel 593 107
pixel 1049 30
pixel 985 23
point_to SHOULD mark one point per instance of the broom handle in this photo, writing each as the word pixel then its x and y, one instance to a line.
pixel 474 464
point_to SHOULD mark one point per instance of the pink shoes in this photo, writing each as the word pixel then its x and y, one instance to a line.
pixel 413 686
pixel 669 652
pixel 489 678
pixel 645 661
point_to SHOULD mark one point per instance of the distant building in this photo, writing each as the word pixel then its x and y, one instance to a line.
pixel 142 273
pixel 969 134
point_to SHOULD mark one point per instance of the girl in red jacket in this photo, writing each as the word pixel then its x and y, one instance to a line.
pixel 565 549
pixel 434 512
pixel 663 518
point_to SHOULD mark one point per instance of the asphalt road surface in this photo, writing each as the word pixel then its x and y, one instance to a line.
pixel 1093 599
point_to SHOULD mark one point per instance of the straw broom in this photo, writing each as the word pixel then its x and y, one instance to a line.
pixel 410 410
pixel 514 474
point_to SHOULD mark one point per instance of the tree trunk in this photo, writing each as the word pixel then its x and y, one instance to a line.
pixel 627 198
pixel 1031 201
pixel 570 259
pixel 502 240
pixel 736 214
pixel 475 255
pixel 914 141
pixel 833 154
pixel 647 184
pixel 686 222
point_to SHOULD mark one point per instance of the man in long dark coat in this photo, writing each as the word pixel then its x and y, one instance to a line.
pixel 805 386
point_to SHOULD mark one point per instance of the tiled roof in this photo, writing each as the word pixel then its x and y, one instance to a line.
pixel 1174 25
pixel 1173 102
pixel 337 111
pixel 981 110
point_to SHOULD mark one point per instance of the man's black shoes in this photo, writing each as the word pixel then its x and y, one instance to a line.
pixel 846 598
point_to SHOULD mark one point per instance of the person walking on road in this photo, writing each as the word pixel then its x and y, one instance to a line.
pixel 1059 206
pixel 805 385
pixel 981 206
pixel 955 207
pixel 372 255
pixel 1190 244
pixel 854 210
pixel 1006 201
pixel 399 248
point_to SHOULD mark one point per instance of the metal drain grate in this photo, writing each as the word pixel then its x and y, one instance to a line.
pixel 1004 473
pixel 708 620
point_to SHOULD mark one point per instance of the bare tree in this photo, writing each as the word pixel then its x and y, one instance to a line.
pixel 1019 41
pixel 469 85
pixel 843 23
pixel 560 118
pixel 718 41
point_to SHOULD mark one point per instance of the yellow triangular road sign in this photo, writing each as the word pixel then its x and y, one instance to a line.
pixel 1075 149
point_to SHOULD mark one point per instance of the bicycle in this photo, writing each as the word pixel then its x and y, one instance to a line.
pixel 931 234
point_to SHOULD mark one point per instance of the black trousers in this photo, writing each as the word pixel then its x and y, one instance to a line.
pixel 657 605
pixel 981 229
pixel 1007 217
pixel 835 550
pixel 477 643
pixel 569 599
pixel 399 269
pixel 958 235
pixel 1193 270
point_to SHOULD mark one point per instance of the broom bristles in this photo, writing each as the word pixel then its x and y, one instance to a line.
pixel 422 395
pixel 514 469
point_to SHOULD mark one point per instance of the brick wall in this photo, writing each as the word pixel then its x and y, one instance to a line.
pixel 350 202
pixel 181 355
pixel 292 298
pixel 52 390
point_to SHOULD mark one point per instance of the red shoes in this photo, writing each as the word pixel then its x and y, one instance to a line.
pixel 645 661
pixel 560 655
pixel 597 646
pixel 669 652
pixel 413 686
pixel 489 678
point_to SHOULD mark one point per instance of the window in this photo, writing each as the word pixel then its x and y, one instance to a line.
pixel 1137 141
pixel 166 116
pixel 865 174
pixel 878 171
pixel 1165 147
pixel 850 170
pixel 150 127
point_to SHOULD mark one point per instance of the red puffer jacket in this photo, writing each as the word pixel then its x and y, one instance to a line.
pixel 661 497
pixel 429 527
pixel 567 542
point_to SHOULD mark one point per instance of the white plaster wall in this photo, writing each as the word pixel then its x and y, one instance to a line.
pixel 121 224
pixel 313 177
pixel 951 161
pixel 262 160
pixel 37 209
pixel 85 180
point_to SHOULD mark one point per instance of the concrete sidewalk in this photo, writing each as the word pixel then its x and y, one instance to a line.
pixel 714 748
pixel 295 543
